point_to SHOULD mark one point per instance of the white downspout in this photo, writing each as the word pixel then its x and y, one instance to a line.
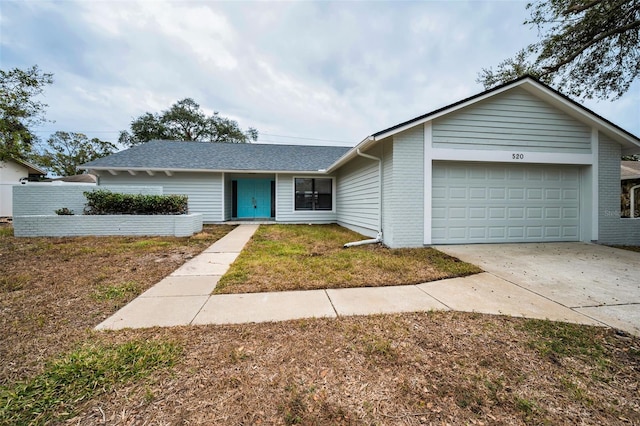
pixel 378 238
pixel 632 199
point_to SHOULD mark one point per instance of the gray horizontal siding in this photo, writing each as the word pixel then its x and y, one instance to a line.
pixel 285 204
pixel 512 120
pixel 358 194
pixel 203 189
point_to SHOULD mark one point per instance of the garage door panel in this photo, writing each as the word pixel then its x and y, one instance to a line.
pixel 570 194
pixel 477 193
pixel 458 193
pixel 504 203
pixel 515 213
pixel 552 194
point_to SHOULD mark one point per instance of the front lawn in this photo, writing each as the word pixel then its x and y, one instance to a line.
pixel 53 290
pixel 306 257
pixel 411 369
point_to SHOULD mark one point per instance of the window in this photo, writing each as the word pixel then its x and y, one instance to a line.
pixel 314 194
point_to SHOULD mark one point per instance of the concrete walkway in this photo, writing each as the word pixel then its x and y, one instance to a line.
pixel 185 298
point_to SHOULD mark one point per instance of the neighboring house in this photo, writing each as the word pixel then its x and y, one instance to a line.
pixel 517 163
pixel 75 179
pixel 14 172
pixel 630 181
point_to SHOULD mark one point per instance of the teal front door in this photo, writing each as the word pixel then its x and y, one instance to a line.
pixel 253 198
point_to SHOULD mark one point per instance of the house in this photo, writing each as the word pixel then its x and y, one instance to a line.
pixel 518 163
pixel 630 182
pixel 14 172
pixel 85 178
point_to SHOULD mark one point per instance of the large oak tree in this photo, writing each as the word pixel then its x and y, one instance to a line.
pixel 185 121
pixel 20 110
pixel 65 151
pixel 587 48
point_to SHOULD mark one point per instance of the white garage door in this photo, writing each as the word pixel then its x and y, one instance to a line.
pixel 492 203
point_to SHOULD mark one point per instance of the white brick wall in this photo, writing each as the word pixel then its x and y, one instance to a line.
pixel 45 199
pixel 612 228
pixel 83 225
pixel 406 198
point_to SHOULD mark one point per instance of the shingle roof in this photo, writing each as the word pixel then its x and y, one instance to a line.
pixel 172 155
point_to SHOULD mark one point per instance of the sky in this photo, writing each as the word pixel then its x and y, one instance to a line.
pixel 309 72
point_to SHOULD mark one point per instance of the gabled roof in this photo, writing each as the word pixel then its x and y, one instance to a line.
pixel 629 170
pixel 83 178
pixel 630 142
pixel 33 169
pixel 206 156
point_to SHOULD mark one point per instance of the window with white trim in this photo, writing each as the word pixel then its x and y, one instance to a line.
pixel 313 194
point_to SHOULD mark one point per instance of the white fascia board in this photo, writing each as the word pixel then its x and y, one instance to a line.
pixel 157 170
pixel 514 156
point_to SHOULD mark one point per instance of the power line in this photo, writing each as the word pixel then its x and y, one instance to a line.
pixel 259 134
pixel 299 137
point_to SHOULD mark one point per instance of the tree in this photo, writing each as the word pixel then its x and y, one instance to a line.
pixel 19 110
pixel 589 48
pixel 185 121
pixel 65 151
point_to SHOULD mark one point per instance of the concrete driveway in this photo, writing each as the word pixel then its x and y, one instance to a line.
pixel 598 281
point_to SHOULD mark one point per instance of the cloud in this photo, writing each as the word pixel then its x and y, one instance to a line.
pixel 323 70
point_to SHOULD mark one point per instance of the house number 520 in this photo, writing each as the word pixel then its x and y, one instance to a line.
pixel 517 156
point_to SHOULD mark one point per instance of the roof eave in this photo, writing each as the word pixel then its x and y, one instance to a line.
pixel 353 152
pixel 30 166
pixel 150 170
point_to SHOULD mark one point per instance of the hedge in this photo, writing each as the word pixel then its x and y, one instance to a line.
pixel 104 202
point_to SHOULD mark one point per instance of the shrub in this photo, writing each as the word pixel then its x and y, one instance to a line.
pixel 104 202
pixel 64 212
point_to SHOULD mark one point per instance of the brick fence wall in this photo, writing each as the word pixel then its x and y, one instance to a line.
pixel 45 199
pixel 34 207
pixel 82 225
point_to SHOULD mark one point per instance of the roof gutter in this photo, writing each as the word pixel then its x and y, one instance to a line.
pixel 352 153
pixel 378 238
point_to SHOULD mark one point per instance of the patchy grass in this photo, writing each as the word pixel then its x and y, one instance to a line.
pixel 53 291
pixel 413 369
pixel 6 230
pixel 118 293
pixel 83 374
pixel 556 339
pixel 410 369
pixel 304 257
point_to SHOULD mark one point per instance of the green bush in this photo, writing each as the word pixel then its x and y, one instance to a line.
pixel 64 212
pixel 104 202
